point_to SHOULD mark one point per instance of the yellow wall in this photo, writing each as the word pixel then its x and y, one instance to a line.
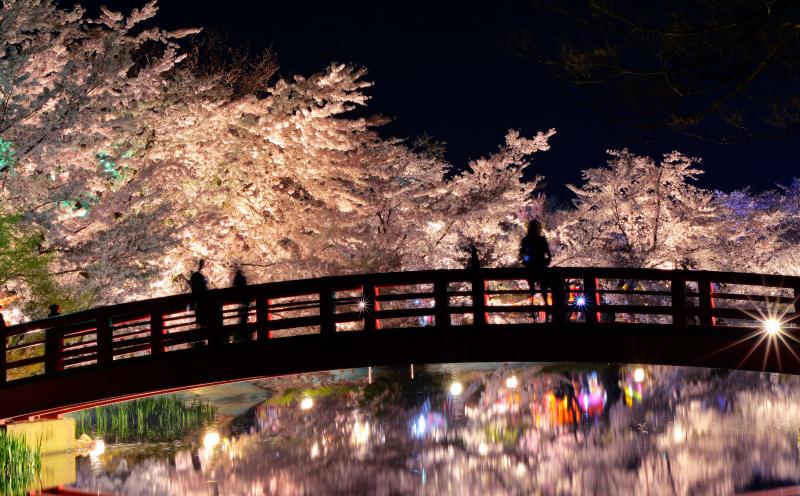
pixel 50 436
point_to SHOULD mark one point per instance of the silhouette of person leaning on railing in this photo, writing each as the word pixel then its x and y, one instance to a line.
pixel 534 252
pixel 199 287
pixel 242 333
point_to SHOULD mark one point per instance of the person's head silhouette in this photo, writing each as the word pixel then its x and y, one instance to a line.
pixel 535 228
pixel 55 309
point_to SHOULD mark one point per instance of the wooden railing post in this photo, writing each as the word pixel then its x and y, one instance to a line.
pixel 326 324
pixel 215 327
pixel 678 290
pixel 556 282
pixel 156 332
pixel 796 302
pixel 262 318
pixel 592 299
pixel 3 346
pixel 478 299
pixel 53 350
pixel 441 303
pixel 368 295
pixel 704 291
pixel 105 351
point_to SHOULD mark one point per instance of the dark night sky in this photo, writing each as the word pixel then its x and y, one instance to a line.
pixel 442 69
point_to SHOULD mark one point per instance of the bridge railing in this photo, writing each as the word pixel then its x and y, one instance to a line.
pixel 439 299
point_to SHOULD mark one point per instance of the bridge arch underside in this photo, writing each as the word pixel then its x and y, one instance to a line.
pixel 730 348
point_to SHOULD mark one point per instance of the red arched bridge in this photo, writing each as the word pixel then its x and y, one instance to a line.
pixel 711 319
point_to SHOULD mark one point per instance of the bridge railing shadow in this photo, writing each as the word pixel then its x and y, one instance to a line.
pixel 438 299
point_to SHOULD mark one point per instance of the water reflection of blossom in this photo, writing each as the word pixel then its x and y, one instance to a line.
pixel 686 431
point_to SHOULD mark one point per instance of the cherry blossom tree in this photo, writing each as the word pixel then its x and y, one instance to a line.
pixel 639 213
pixel 68 85
pixel 133 163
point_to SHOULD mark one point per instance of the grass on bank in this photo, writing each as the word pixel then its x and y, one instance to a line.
pixel 19 465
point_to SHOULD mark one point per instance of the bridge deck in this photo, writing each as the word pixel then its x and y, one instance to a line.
pixel 582 314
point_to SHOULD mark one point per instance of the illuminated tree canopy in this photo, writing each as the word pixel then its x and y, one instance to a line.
pixel 129 154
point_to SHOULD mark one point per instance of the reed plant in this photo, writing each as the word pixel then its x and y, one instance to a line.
pixel 160 418
pixel 20 465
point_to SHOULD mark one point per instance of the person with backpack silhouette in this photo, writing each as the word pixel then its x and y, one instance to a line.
pixel 534 252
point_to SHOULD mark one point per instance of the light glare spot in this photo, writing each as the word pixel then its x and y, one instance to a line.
pixel 772 326
pixel 306 403
pixel 210 439
pixel 638 375
pixel 512 382
pixel 456 388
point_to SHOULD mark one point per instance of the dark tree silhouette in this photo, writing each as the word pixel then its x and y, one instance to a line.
pixel 722 71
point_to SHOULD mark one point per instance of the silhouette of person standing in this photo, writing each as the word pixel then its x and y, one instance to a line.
pixel 474 261
pixel 199 285
pixel 240 283
pixel 55 310
pixel 534 251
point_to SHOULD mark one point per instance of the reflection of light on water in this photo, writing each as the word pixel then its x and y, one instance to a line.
pixel 418 428
pixel 210 439
pixel 306 403
pixel 456 388
pixel 98 448
pixel 512 382
pixel 315 450
pixel 483 449
pixel 638 375
pixel 360 434
pixel 678 433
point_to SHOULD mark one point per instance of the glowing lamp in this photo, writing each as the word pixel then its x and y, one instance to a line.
pixel 772 326
pixel 580 301
pixel 362 304
pixel 456 388
pixel 638 375
pixel 512 382
pixel 306 403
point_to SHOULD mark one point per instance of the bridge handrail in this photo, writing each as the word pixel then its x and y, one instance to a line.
pixel 100 336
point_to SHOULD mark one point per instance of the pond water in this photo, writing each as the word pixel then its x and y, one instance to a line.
pixel 474 429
